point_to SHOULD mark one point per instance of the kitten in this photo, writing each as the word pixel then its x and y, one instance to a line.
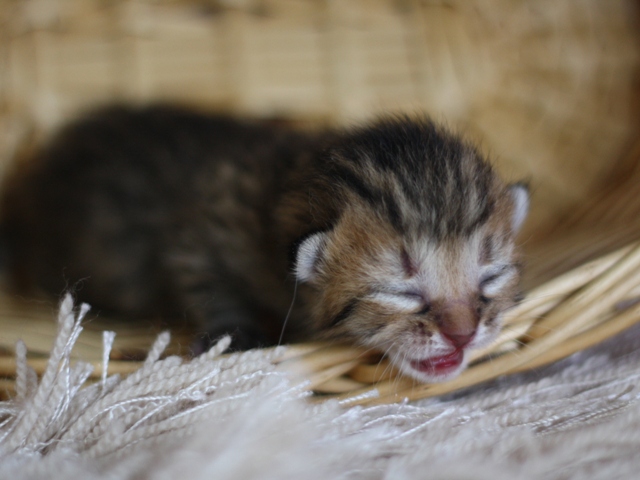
pixel 396 236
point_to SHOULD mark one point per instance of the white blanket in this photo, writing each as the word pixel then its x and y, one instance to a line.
pixel 238 418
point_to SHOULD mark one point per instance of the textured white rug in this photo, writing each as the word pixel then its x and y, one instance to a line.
pixel 237 418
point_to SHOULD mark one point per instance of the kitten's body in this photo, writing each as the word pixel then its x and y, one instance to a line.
pixel 389 230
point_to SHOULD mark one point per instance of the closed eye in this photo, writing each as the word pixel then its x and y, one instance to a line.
pixel 495 279
pixel 426 308
pixel 408 301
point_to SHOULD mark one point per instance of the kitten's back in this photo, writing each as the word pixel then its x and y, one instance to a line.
pixel 103 200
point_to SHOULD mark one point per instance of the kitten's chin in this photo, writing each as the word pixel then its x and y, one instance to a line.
pixel 435 369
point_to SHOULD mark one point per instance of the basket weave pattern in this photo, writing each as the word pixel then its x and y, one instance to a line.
pixel 546 87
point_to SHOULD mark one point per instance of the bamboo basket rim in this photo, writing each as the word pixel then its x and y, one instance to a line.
pixel 567 314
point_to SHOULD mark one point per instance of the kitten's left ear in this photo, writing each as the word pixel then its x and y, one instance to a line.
pixel 520 197
pixel 308 255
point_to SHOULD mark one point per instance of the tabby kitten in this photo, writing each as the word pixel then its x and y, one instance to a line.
pixel 396 236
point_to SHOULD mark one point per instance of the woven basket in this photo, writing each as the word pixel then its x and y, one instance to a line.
pixel 547 88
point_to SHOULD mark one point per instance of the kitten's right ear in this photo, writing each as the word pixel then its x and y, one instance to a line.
pixel 308 255
pixel 520 197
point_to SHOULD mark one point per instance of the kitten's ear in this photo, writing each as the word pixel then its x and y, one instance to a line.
pixel 308 255
pixel 520 197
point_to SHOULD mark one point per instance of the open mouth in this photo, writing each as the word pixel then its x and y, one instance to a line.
pixel 439 365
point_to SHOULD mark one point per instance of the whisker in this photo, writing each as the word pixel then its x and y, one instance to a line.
pixel 286 319
pixel 388 366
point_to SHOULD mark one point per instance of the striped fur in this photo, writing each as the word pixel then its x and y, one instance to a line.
pixel 399 235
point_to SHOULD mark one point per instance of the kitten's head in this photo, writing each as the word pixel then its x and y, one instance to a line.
pixel 424 274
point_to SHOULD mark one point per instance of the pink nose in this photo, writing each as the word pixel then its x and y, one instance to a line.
pixel 459 323
pixel 459 340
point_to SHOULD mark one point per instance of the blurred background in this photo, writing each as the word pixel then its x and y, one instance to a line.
pixel 547 88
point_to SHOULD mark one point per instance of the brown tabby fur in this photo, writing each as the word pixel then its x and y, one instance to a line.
pixel 165 211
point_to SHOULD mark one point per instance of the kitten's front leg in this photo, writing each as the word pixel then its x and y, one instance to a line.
pixel 218 310
pixel 239 323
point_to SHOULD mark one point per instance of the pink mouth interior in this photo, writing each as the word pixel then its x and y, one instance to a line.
pixel 441 364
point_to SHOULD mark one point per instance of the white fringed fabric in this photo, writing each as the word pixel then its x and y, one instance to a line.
pixel 237 417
